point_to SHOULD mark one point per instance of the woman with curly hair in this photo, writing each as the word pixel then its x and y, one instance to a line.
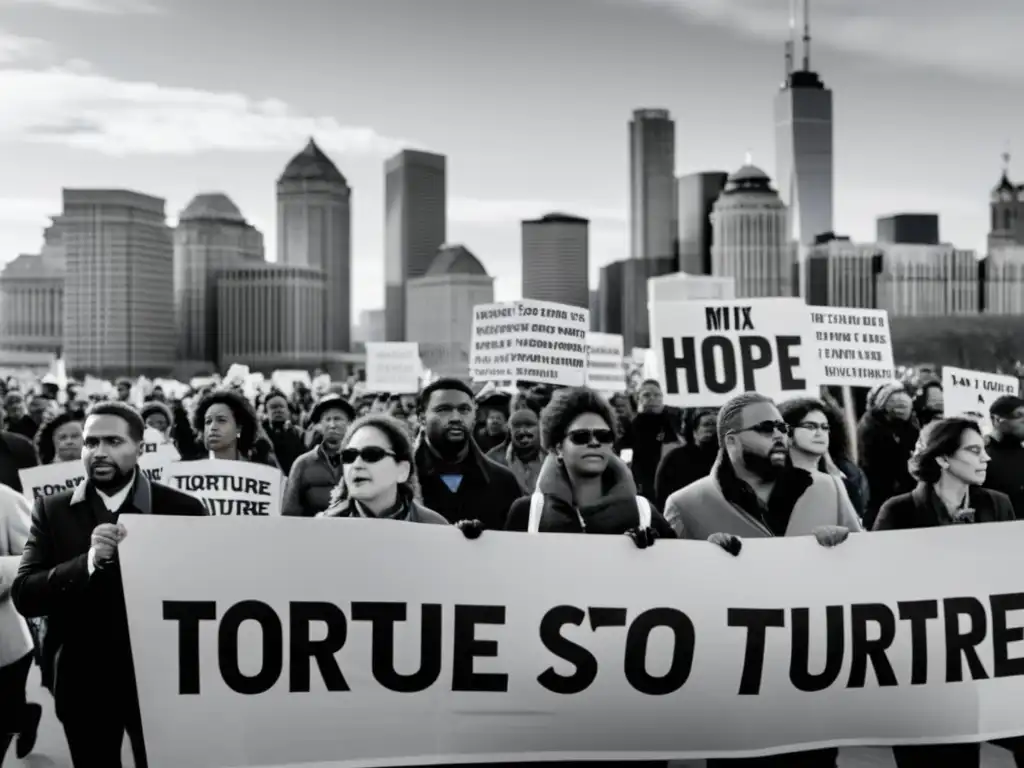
pixel 583 487
pixel 60 439
pixel 379 477
pixel 230 429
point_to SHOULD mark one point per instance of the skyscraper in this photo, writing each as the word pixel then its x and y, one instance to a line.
pixel 119 289
pixel 1007 208
pixel 32 297
pixel 211 235
pixel 803 143
pixel 314 229
pixel 751 243
pixel 652 181
pixel 415 227
pixel 696 194
pixel 556 259
pixel 908 229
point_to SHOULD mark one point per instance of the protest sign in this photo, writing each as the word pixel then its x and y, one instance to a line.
pixel 709 351
pixel 606 368
pixel 229 487
pixel 530 340
pixel 51 479
pixel 971 393
pixel 854 346
pixel 393 366
pixel 820 647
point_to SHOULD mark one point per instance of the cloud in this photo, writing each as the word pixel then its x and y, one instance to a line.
pixel 467 210
pixel 19 47
pixel 76 107
pixel 28 211
pixel 966 38
pixel 94 6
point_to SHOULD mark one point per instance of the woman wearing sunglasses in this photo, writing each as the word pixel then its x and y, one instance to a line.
pixel 583 487
pixel 379 477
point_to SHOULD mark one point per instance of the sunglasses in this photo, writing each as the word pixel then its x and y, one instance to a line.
pixel 371 454
pixel 767 428
pixel 588 436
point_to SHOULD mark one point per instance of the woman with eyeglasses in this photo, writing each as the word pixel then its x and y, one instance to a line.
pixel 379 477
pixel 582 486
pixel 949 463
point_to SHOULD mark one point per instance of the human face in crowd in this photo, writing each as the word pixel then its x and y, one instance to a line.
pixel 622 409
pixel 496 424
pixel 1011 426
pixel 650 398
pixel 761 441
pixel 587 447
pixel 934 400
pixel 109 453
pixel 368 465
pixel 124 391
pixel 333 426
pixel 15 406
pixel 811 434
pixel 525 437
pixel 220 430
pixel 158 421
pixel 277 410
pixel 67 441
pixel 969 463
pixel 899 406
pixel 449 419
pixel 37 407
pixel 706 430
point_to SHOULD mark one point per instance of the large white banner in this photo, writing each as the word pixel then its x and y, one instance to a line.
pixel 706 352
pixel 678 651
pixel 971 393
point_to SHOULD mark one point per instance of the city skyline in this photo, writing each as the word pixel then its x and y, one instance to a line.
pixel 514 151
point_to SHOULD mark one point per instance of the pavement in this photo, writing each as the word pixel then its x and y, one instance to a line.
pixel 52 751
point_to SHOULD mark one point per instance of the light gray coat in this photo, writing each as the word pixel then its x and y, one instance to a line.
pixel 15 521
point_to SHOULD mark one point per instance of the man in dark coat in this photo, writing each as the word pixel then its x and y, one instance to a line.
pixel 16 452
pixel 70 573
pixel 457 480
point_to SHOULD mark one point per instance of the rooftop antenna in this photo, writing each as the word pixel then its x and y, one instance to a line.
pixel 807 35
pixel 1006 159
pixel 791 40
pixel 748 158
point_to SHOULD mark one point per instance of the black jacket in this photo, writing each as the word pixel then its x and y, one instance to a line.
pixel 289 443
pixel 87 635
pixel 921 508
pixel 16 452
pixel 486 492
pixel 884 448
pixel 680 467
pixel 1006 471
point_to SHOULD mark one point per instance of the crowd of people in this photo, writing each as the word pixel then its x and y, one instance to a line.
pixel 540 460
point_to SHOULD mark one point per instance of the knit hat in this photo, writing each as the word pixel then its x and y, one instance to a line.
pixel 523 418
pixel 883 393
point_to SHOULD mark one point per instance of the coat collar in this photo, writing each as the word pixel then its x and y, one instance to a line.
pixel 427 459
pixel 141 496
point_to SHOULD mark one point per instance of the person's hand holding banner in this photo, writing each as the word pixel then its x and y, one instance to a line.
pixel 831 535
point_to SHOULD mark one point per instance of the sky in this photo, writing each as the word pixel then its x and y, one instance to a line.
pixel 529 99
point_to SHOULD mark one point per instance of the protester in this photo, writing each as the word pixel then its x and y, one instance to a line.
pixel 123 387
pixel 16 453
pixel 692 460
pixel 69 573
pixel 60 439
pixel 288 440
pixel 1006 451
pixel 522 452
pixel 230 429
pixel 307 492
pixel 583 487
pixel 458 481
pixel 18 421
pixel 492 413
pixel 158 415
pixel 885 437
pixel 656 430
pixel 20 718
pixel 624 411
pixel 854 479
pixel 929 403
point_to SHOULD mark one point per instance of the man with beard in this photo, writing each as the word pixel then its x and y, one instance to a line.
pixel 307 492
pixel 521 452
pixel 70 573
pixel 457 480
pixel 753 492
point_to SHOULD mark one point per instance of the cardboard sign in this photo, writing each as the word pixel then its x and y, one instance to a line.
pixel 228 488
pixel 606 368
pixel 971 393
pixel 854 346
pixel 530 340
pixel 707 352
pixel 51 479
pixel 393 367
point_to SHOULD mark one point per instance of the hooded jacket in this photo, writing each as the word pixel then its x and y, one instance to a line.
pixel 405 510
pixel 615 513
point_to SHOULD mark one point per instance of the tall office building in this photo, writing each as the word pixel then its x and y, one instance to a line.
pixel 652 182
pixel 908 229
pixel 212 234
pixel 695 196
pixel 119 287
pixel 556 259
pixel 456 281
pixel 415 227
pixel 32 304
pixel 803 144
pixel 622 300
pixel 1003 288
pixel 750 240
pixel 314 230
pixel 1007 209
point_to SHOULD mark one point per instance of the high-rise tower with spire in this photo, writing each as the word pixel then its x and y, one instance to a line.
pixel 1007 206
pixel 803 140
